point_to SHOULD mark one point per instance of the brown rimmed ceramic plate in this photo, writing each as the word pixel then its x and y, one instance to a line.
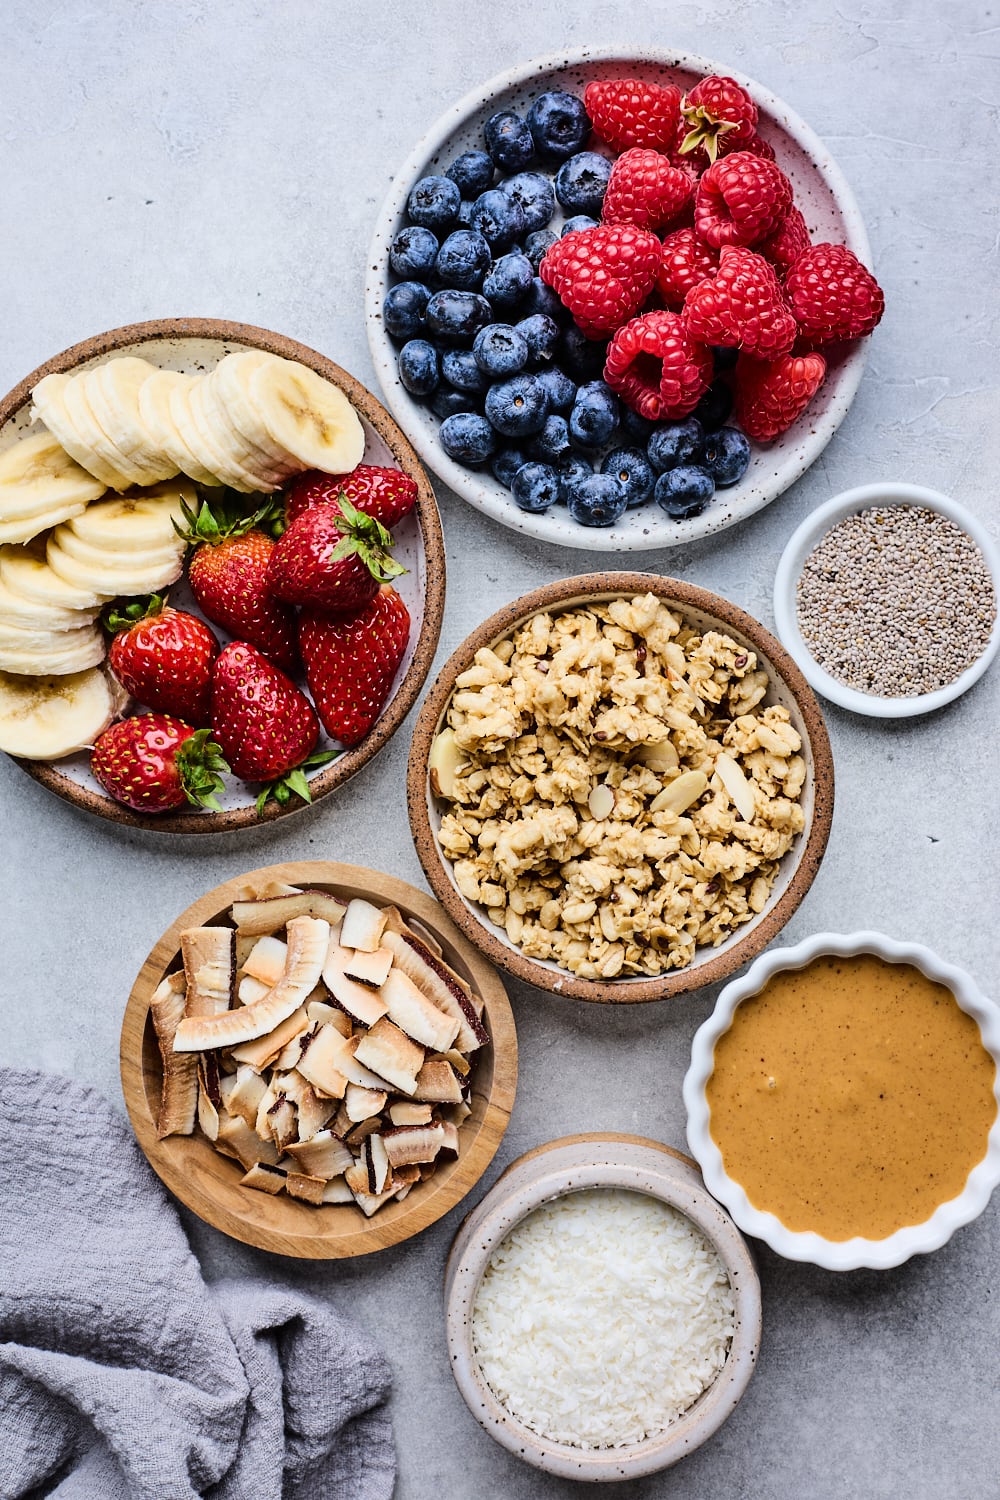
pixel 209 1184
pixel 798 868
pixel 193 345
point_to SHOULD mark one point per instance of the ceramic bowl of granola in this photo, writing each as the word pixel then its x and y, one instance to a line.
pixel 620 787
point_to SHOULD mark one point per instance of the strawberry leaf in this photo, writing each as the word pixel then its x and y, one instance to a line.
pixel 294 783
pixel 200 766
pixel 123 614
pixel 367 539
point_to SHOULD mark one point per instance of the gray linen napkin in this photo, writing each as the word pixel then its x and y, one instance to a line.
pixel 122 1375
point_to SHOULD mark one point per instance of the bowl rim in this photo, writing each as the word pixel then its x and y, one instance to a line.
pixel 893 494
pixel 807 1245
pixel 756 934
pixel 168 1157
pixel 48 774
pixel 492 499
pixel 573 1163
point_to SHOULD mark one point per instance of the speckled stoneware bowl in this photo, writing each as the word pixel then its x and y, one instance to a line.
pixel 194 345
pixel 798 868
pixel 840 1255
pixel 565 1166
pixel 821 192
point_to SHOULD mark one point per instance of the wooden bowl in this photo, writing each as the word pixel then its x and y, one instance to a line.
pixel 193 345
pixel 798 868
pixel 209 1184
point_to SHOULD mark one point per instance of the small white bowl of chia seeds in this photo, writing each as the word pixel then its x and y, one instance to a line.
pixel 886 597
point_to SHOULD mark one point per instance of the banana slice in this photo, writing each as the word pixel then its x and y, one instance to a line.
pixel 135 523
pixel 269 474
pixel 139 578
pixel 120 562
pixel 37 477
pixel 287 410
pixel 25 572
pixel 200 436
pixel 58 402
pixel 70 651
pixel 113 392
pixel 38 636
pixel 156 411
pixel 31 614
pixel 25 531
pixel 46 718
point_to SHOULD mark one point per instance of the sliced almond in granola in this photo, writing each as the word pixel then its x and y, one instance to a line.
pixel 736 784
pixel 680 794
pixel 601 801
pixel 444 763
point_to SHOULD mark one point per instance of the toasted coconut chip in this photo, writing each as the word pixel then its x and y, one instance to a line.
pixel 459 1062
pixel 288 1057
pixel 208 1077
pixel 309 1189
pixel 245 1144
pixel 337 1191
pixel 266 891
pixel 330 1015
pixel 308 940
pixel 324 1156
pixel 358 1000
pixel 377 1162
pixel 321 1062
pixel 249 990
pixel 424 934
pixel 402 1192
pixel 370 1205
pixel 315 1111
pixel 413 1013
pixel 371 969
pixel 406 1144
pixel 403 1112
pixel 359 1133
pixel 362 926
pixel 208 1116
pixel 405 1176
pixel 242 949
pixel 437 1083
pixel 266 960
pixel 458 1113
pixel 391 1054
pixel 264 1178
pixel 449 1145
pixel 427 1169
pixel 356 1177
pixel 179 1092
pixel 209 968
pixel 282 1122
pixel 244 1098
pixel 438 982
pixel 361 1103
pixel 262 1052
pixel 273 912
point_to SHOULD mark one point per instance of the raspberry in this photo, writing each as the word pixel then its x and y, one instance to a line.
pixel 684 263
pixel 741 307
pixel 718 117
pixel 645 190
pixel 740 200
pixel 832 295
pixel 770 397
pixel 788 241
pixel 627 112
pixel 757 146
pixel 602 275
pixel 656 367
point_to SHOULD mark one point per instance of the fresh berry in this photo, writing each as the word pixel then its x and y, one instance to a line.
pixel 684 492
pixel 419 367
pixel 603 275
pixel 499 218
pixel 155 762
pixel 162 656
pixel 715 406
pixel 576 223
pixel 740 200
pixel 468 438
pixel 726 456
pixel 509 278
pixel 505 464
pixel 581 183
pixel 456 317
pixel 685 262
pixel 657 367
pixel 561 390
pixel 627 112
pixel 413 252
pixel 633 472
pixel 404 308
pixel 757 146
pixel 542 299
pixel 266 727
pixel 559 125
pixel 499 352
pixel 787 243
pixel 717 117
pixel 541 334
pixel 675 444
pixel 332 557
pixel 517 407
pixel 832 295
pixel 551 442
pixel 463 260
pixel 461 370
pixel 509 141
pixel 433 202
pixel 446 403
pixel 644 189
pixel 596 501
pixel 535 487
pixel 741 307
pixel 637 430
pixel 535 246
pixel 770 397
pixel 535 194
pixel 351 663
pixel 594 415
pixel 385 494
pixel 472 173
pixel 581 357
pixel 572 469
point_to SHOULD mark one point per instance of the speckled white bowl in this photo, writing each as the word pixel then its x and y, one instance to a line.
pixel 840 1255
pixel 786 579
pixel 821 192
pixel 567 1166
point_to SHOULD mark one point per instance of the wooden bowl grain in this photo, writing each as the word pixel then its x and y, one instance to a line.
pixel 209 1184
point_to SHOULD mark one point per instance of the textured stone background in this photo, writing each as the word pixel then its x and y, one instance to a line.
pixel 228 160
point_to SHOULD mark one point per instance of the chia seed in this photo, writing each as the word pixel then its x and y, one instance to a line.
pixel 896 601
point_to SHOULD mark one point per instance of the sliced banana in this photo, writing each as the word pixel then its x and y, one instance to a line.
pixel 25 572
pixel 49 397
pixel 70 651
pixel 267 471
pixel 37 477
pixel 38 636
pixel 136 522
pixel 117 562
pixel 143 578
pixel 46 718
pixel 26 531
pixel 205 440
pixel 156 411
pixel 34 615
pixel 113 392
pixel 287 410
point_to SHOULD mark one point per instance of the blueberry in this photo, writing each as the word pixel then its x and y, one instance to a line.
pixel 541 334
pixel 637 429
pixel 508 281
pixel 715 406
pixel 433 202
pixel 459 368
pixel 445 402
pixel 468 438
pixel 724 358
pixel 726 456
pixel 535 487
pixel 456 317
pixel 561 389
pixel 594 416
pixel 404 309
pixel 535 245
pixel 542 299
pixel 508 140
pixel 463 260
pixel 413 251
pixel 581 183
pixel 552 443
pixel 419 367
pixel 597 501
pixel 578 222
pixel 505 464
pixel 535 195
pixel 572 468
pixel 472 172
pixel 499 219
pixel 684 492
pixel 559 125
pixel 675 443
pixel 517 407
pixel 500 351
pixel 634 473
pixel 582 358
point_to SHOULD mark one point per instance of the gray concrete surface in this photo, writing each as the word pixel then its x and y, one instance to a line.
pixel 228 160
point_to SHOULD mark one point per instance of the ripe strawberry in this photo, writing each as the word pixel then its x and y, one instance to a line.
pixel 332 558
pixel 740 200
pixel 741 307
pixel 351 663
pixel 656 367
pixel 386 494
pixel 645 190
pixel 685 262
pixel 227 574
pixel 832 295
pixel 718 117
pixel 162 656
pixel 602 275
pixel 627 112
pixel 264 724
pixel 787 243
pixel 770 397
pixel 155 762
